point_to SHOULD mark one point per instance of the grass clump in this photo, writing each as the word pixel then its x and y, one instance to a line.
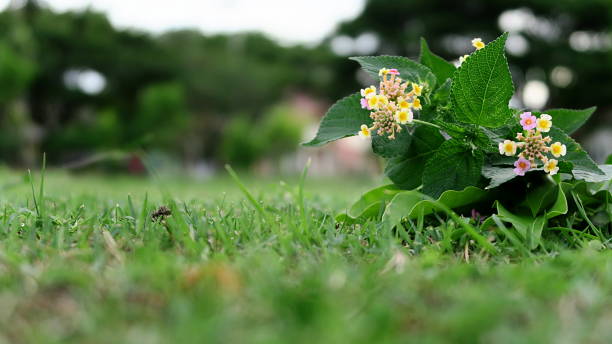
pixel 216 268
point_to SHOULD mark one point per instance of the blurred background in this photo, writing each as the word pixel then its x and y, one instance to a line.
pixel 187 86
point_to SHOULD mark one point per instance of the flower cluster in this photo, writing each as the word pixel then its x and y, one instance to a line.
pixel 391 105
pixel 533 145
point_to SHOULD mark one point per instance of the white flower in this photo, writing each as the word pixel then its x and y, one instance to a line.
pixel 507 148
pixel 364 132
pixel 404 116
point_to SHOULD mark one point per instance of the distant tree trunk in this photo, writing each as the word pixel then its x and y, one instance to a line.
pixel 29 134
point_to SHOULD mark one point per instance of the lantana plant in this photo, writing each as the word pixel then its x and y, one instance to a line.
pixel 443 127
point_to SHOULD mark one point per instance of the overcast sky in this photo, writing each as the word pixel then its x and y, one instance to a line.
pixel 291 21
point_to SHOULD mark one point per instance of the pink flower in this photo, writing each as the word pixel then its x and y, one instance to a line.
pixel 393 71
pixel 364 104
pixel 528 121
pixel 522 165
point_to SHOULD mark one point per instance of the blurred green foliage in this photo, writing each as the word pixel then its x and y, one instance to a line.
pixel 278 132
pixel 161 115
pixel 179 91
pixel 170 91
pixel 281 129
pixel 241 144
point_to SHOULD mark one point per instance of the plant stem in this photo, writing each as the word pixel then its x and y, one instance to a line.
pixel 426 123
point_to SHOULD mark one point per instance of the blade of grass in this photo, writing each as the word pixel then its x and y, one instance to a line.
pixel 515 241
pixel 248 194
pixel 303 225
pixel 481 240
pixel 582 211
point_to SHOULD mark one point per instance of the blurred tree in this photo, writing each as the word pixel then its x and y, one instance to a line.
pixel 161 116
pixel 83 65
pixel 281 128
pixel 276 133
pixel 95 87
pixel 243 73
pixel 241 145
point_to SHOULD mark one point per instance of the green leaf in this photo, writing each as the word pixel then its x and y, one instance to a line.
pixel 406 171
pixel 454 166
pixel 529 227
pixel 453 130
pixel 439 103
pixel 409 70
pixel 403 206
pixel 411 204
pixel 441 68
pixel 569 120
pixel 560 205
pixel 386 148
pixel 603 182
pixel 541 196
pixel 442 94
pixel 470 135
pixel 609 160
pixel 482 87
pixel 369 204
pixel 498 175
pixel 583 167
pixel 482 140
pixel 343 119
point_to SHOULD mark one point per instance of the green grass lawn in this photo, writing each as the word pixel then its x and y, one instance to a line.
pixel 88 265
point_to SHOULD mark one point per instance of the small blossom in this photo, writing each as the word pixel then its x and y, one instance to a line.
pixel 383 72
pixel 544 123
pixel 364 132
pixel 477 43
pixel 462 59
pixel 416 89
pixel 522 165
pixel 507 147
pixel 364 104
pixel 551 167
pixel 383 99
pixel 416 104
pixel 393 71
pixel 558 149
pixel 403 103
pixel 368 92
pixel 377 102
pixel 404 116
pixel 528 121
